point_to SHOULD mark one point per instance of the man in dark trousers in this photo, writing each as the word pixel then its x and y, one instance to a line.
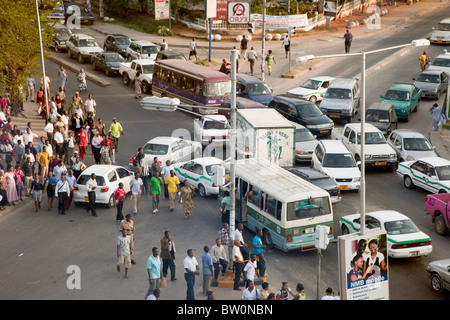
pixel 243 47
pixel 348 41
pixel 91 185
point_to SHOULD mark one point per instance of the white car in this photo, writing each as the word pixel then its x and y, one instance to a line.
pixel 146 50
pixel 83 47
pixel 108 178
pixel 312 89
pixel 200 174
pixel 410 145
pixel 439 272
pixel 442 63
pixel 305 143
pixel 334 158
pixel 441 33
pixel 212 128
pixel 432 174
pixel 170 148
pixel 404 239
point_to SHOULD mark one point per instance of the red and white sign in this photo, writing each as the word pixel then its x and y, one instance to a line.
pixel 238 12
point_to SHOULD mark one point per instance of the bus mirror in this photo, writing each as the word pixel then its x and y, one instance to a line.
pixel 219 175
pixel 322 239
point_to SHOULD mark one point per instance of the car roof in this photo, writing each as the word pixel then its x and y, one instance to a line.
pixel 436 72
pixel 310 172
pixel 401 86
pixel 293 99
pixel 434 161
pixel 206 160
pixel 388 215
pixel 163 139
pixel 144 61
pixel 380 106
pixel 248 78
pixel 342 83
pixel 216 117
pixel 82 36
pixel 445 20
pixel 117 35
pixel 144 43
pixel 367 126
pixel 322 78
pixel 100 169
pixel 334 146
pixel 408 133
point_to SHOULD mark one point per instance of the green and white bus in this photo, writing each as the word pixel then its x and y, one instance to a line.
pixel 283 205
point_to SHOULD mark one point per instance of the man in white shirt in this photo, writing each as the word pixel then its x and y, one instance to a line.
pixel 190 271
pixel 165 173
pixel 91 185
pixel 59 170
pixel 28 136
pixel 219 257
pixel 252 56
pixel 136 185
pixel 90 105
pixel 238 236
pixel 250 269
pixel 59 141
pixel 123 251
pixel 62 191
pixel 49 129
pixel 250 293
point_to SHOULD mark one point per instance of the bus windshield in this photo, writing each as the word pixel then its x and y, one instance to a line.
pixel 217 89
pixel 312 207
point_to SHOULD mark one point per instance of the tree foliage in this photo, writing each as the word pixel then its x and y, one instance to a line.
pixel 19 46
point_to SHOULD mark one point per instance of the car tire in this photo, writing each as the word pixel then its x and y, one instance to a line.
pixel 125 79
pixel 111 201
pixel 146 87
pixel 440 226
pixel 202 191
pixel 345 230
pixel 436 283
pixel 55 45
pixel 267 239
pixel 417 107
pixel 407 182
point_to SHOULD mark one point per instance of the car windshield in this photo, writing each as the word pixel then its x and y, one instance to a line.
pixel 217 89
pixel 372 138
pixel 156 149
pixel 302 135
pixel 88 43
pixel 441 62
pixel 309 110
pixel 63 32
pixel 149 49
pixel 256 89
pixel 83 179
pixel 377 115
pixel 214 125
pixel 122 41
pixel 311 84
pixel 443 27
pixel 338 160
pixel 114 58
pixel 400 227
pixel 429 78
pixel 417 144
pixel 148 68
pixel 397 95
pixel 334 93
pixel 303 209
pixel 443 172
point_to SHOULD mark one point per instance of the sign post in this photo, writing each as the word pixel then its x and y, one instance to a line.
pixel 238 12
pixel 210 12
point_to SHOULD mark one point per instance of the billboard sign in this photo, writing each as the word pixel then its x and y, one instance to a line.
pixel 162 8
pixel 238 12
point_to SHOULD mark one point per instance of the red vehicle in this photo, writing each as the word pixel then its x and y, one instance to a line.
pixel 438 206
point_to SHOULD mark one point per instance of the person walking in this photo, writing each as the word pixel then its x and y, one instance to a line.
pixel 224 235
pixel 156 166
pixel 225 205
pixel 172 183
pixel 193 49
pixel 145 174
pixel 95 147
pixel 62 193
pixel 300 295
pixel 82 80
pixel 156 182
pixel 348 38
pixel 123 252
pixel 154 274
pixel 329 295
pixel 43 159
pixel 129 226
pixel 191 270
pixel 238 236
pixel 250 270
pixel 436 115
pixel 119 197
pixel 49 187
pixel 287 45
pixel 91 186
pixel 31 87
pixel 155 295
pixel 207 269
pixel 116 130
pixel 3 190
pixel 258 249
pixel 187 195
pixel 264 292
pixel 137 86
pixel 72 180
pixel 250 292
pixel 244 43
pixel 168 255
pixel 165 173
pixel 252 57
pixel 82 142
pixel 62 75
pixel 270 60
pixel 36 191
pixel 136 185
pixel 284 292
pixel 90 106
pixel 423 61
pixel 238 264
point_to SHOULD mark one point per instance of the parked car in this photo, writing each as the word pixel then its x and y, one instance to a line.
pixel 432 83
pixel 312 89
pixel 108 178
pixel 212 128
pixel 439 272
pixel 305 143
pixel 241 103
pixel 437 205
pixel 253 88
pixel 405 97
pixel 108 62
pixel 441 33
pixel 334 158
pixel 303 112
pixel 170 148
pixel 60 37
pixel 57 12
pixel 442 63
pixel 199 173
pixel 382 116
pixel 342 99
pixel 84 17
pixel 431 174
pixel 83 47
pixel 410 145
pixel 404 238
pixel 117 43
pixel 320 179
pixel 146 49
pixel 170 54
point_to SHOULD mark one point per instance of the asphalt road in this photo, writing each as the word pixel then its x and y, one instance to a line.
pixel 37 248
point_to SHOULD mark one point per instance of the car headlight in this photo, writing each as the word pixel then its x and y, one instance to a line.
pixel 62 42
pixel 368 156
pixel 311 126
pixel 84 52
pixel 357 179
pixel 404 111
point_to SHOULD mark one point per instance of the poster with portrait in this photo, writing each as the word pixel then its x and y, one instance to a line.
pixel 162 8
pixel 363 266
pixel 330 8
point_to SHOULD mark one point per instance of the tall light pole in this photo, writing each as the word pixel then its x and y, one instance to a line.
pixel 42 58
pixel 263 42
pixel 233 148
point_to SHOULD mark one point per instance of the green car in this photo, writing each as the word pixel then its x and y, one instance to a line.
pixel 405 97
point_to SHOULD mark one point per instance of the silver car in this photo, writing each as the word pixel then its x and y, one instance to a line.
pixel 433 83
pixel 440 275
pixel 410 145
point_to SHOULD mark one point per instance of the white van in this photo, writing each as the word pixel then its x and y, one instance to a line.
pixel 342 99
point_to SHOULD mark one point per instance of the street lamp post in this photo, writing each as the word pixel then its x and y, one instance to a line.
pixel 263 42
pixel 42 59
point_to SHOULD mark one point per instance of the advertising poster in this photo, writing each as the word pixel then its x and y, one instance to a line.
pixel 363 263
pixel 162 9
pixel 330 8
pixel 238 12
pixel 221 10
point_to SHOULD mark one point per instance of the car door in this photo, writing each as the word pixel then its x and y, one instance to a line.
pixel 431 180
pixel 418 170
pixel 125 177
pixel 176 152
pixel 112 181
pixel 187 172
pixel 399 148
pixel 187 150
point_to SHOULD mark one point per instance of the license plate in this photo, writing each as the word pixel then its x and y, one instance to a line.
pixel 334 116
pixel 324 131
pixel 414 253
pixel 343 187
pixel 439 41
pixel 423 95
pixel 86 198
pixel 218 144
pixel 380 163
pixel 86 21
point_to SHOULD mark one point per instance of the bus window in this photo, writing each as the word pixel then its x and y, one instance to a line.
pixel 256 197
pixel 273 207
pixel 307 208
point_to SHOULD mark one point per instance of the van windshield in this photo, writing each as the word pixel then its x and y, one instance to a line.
pixel 338 160
pixel 397 95
pixel 372 138
pixel 157 149
pixel 335 93
pixel 149 49
pixel 256 89
pixel 302 135
pixel 417 144
pixel 309 110
pixel 377 115
pixel 217 89
pixel 312 207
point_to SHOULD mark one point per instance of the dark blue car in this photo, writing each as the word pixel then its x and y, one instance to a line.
pixel 253 88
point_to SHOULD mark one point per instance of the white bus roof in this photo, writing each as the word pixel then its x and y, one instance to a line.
pixel 275 181
pixel 265 118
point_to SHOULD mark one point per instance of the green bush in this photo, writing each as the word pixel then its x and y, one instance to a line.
pixel 164 31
